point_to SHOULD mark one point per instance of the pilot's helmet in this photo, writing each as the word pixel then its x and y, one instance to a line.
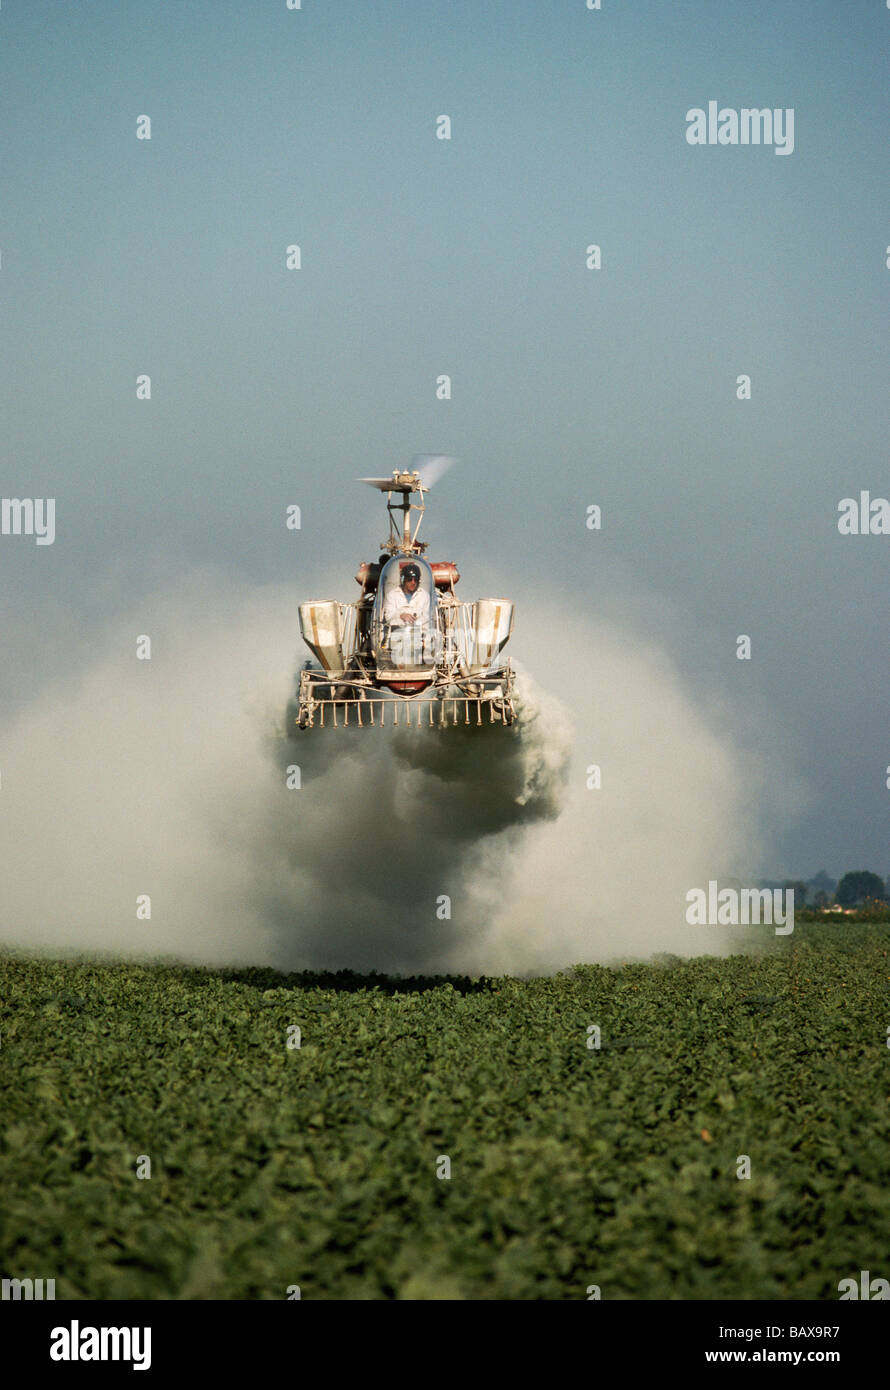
pixel 410 572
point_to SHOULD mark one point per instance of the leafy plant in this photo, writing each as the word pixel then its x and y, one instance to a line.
pixel 571 1164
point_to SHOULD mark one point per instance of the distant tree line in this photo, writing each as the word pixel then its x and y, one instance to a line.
pixel 851 890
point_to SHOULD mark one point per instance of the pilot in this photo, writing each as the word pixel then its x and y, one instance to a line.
pixel 407 610
pixel 409 604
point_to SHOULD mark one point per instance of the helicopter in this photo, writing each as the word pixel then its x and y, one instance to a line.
pixel 407 645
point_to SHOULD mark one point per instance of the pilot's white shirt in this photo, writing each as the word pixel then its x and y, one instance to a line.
pixel 397 602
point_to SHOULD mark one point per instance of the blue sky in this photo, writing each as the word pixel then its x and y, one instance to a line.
pixel 421 256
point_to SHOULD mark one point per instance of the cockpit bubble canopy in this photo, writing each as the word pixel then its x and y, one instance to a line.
pixel 404 628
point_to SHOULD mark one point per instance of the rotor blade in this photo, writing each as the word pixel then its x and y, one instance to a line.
pixel 431 467
pixel 386 484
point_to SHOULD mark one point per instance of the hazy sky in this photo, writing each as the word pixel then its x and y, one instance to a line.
pixel 420 256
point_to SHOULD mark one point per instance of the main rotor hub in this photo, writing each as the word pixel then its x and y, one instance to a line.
pixel 402 539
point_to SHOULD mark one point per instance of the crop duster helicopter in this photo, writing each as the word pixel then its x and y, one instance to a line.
pixel 407 645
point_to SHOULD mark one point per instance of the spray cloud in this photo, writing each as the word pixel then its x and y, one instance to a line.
pixel 169 778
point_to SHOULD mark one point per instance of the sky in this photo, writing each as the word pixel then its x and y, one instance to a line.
pixel 419 256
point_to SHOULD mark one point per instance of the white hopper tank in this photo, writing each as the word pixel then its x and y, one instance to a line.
pixel 492 625
pixel 322 627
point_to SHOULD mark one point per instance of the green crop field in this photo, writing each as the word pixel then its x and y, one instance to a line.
pixel 325 1165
